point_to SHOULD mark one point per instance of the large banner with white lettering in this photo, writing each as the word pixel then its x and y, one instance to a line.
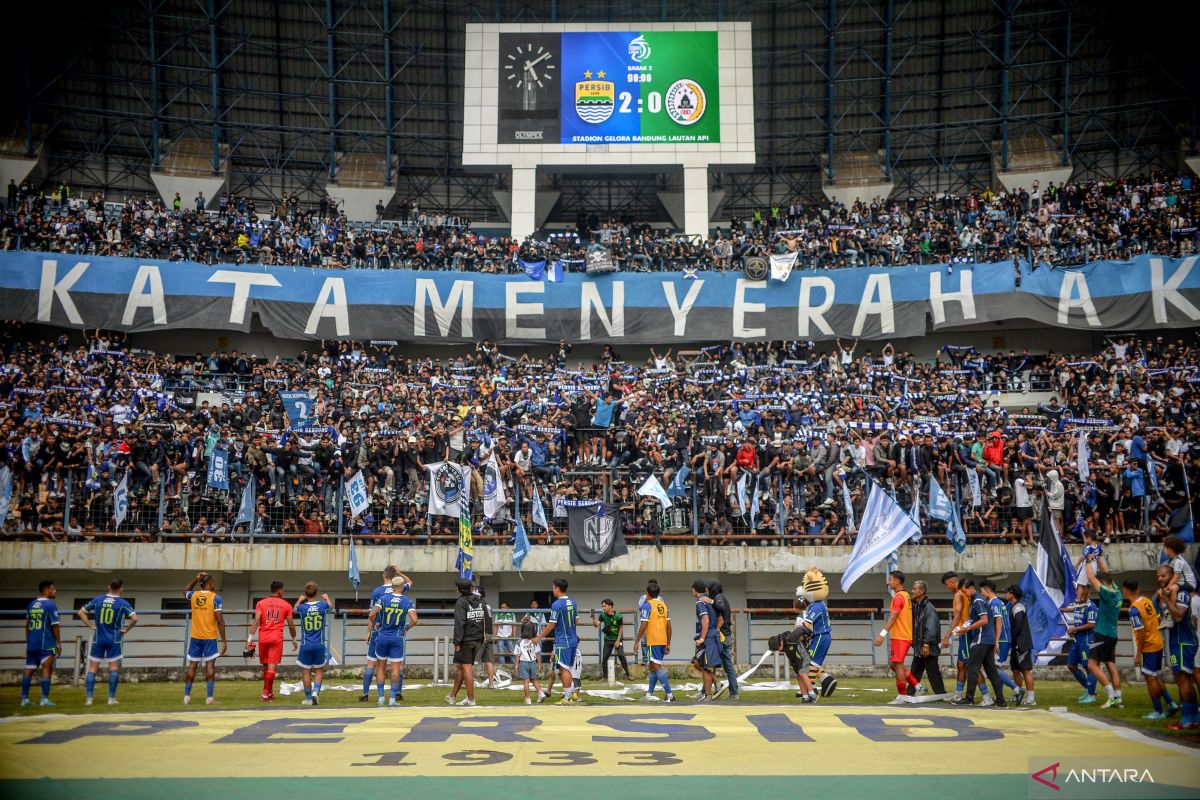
pixel 144 295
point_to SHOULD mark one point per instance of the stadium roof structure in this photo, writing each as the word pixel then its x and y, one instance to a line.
pixel 286 95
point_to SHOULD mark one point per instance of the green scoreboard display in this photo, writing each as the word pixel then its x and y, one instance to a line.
pixel 609 88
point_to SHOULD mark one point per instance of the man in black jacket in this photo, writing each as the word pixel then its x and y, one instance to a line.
pixel 1021 658
pixel 927 633
pixel 469 621
pixel 724 614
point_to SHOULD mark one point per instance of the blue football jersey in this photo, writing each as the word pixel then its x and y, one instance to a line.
pixel 392 619
pixel 562 614
pixel 986 634
pixel 705 611
pixel 40 616
pixel 312 621
pixel 1182 634
pixel 817 615
pixel 109 613
pixel 379 591
pixel 998 609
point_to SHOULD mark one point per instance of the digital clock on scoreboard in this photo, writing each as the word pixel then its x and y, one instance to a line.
pixel 610 88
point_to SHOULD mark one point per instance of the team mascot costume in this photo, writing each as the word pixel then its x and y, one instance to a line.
pixel 814 619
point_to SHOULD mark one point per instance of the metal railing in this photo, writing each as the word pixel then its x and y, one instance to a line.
pixel 304 506
pixel 160 639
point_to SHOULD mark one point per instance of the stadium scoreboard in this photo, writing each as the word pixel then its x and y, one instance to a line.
pixel 668 93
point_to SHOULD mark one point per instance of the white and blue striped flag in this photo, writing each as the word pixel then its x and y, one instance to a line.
pixel 884 528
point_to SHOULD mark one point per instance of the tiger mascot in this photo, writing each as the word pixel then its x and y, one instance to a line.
pixel 814 620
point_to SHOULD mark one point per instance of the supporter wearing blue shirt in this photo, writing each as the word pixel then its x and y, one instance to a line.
pixel 106 615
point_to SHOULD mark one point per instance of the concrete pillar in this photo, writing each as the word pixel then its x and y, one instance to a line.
pixel 524 202
pixel 695 201
pixel 1193 163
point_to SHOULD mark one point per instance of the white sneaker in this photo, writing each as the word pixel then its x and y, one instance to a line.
pixel 450 701
pixel 210 701
pixel 898 700
pixel 87 702
pixel 528 701
pixel 541 696
pixel 956 696
pixel 187 698
pixel 1029 701
pixel 466 702
pixel 306 701
pixel 921 690
pixel 987 701
pixel 112 701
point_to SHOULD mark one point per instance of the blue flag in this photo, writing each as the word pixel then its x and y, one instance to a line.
pixel 1041 611
pixel 915 513
pixel 355 575
pixel 941 508
pixel 298 406
pixel 884 528
pixel 6 491
pixel 534 269
pixel 520 545
pixel 218 469
pixel 754 502
pixel 245 515
pixel 539 513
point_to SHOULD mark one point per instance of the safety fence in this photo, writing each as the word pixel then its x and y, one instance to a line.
pixel 181 506
pixel 160 639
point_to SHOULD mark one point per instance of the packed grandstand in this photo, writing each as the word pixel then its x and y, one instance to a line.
pixel 763 443
pixel 1070 224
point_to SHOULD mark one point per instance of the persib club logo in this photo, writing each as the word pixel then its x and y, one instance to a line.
pixel 639 49
pixel 685 102
pixel 594 99
pixel 447 483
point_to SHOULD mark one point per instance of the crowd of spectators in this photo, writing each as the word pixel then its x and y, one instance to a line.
pixel 760 444
pixel 1052 225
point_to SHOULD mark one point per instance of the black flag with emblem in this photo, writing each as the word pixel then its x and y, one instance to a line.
pixel 599 260
pixel 595 532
